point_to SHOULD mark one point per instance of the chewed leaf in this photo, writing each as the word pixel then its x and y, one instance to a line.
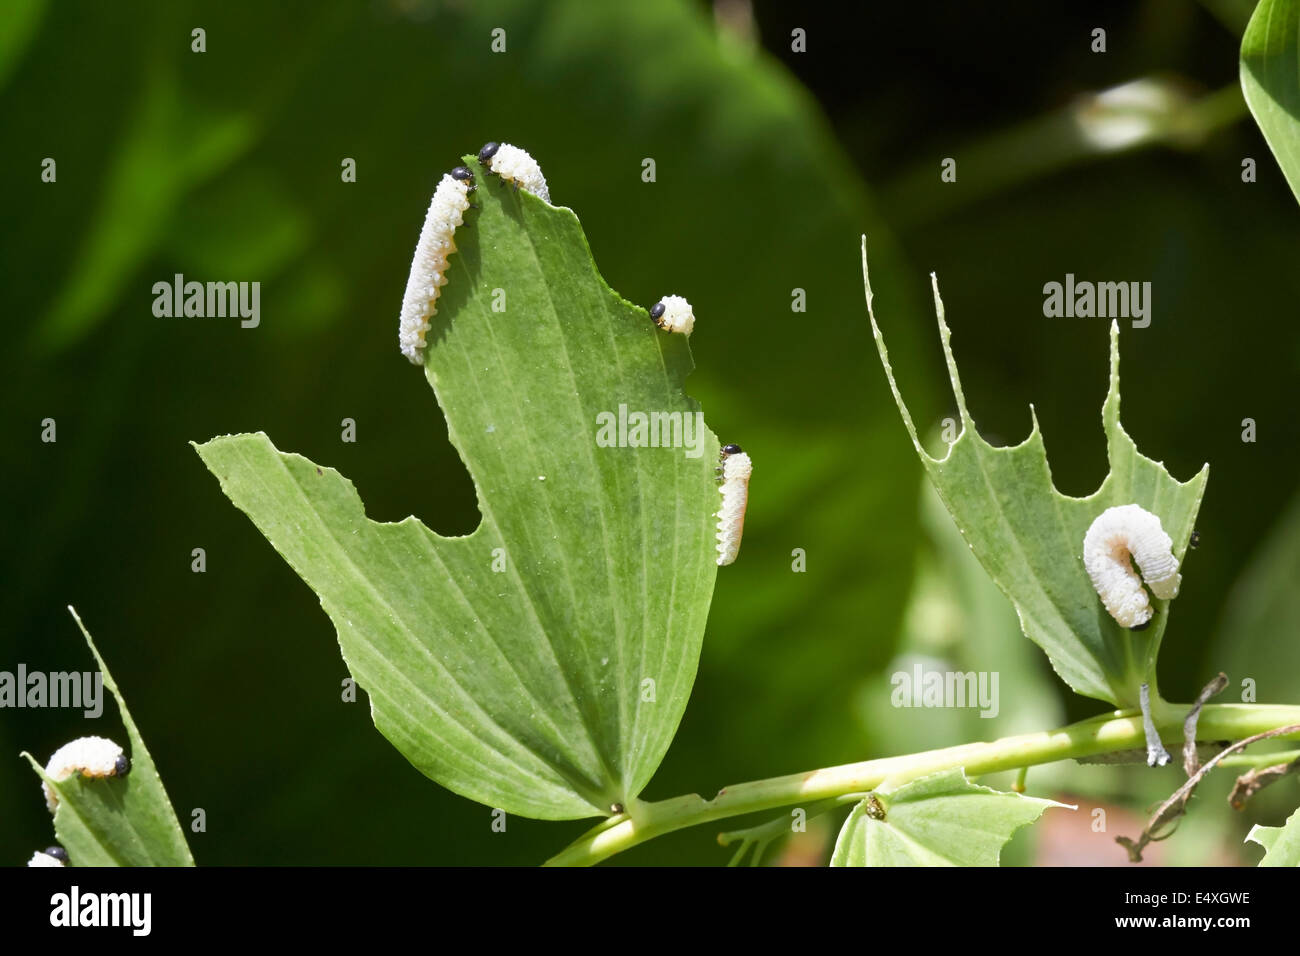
pixel 1282 844
pixel 110 821
pixel 542 663
pixel 939 820
pixel 1029 537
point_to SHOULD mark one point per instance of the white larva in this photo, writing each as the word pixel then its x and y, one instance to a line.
pixel 50 856
pixel 88 756
pixel 429 267
pixel 673 314
pixel 515 165
pixel 736 469
pixel 1118 537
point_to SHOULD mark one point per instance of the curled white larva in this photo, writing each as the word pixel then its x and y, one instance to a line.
pixel 736 469
pixel 515 165
pixel 673 314
pixel 1118 537
pixel 88 756
pixel 429 266
pixel 46 858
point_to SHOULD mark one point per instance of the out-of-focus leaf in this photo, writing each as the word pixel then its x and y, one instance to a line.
pixel 1255 636
pixel 958 620
pixel 939 820
pixel 1029 536
pixel 1270 78
pixel 19 20
pixel 167 151
pixel 126 821
pixel 542 663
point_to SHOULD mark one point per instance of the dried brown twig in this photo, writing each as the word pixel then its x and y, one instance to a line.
pixel 1252 781
pixel 1176 805
pixel 1191 761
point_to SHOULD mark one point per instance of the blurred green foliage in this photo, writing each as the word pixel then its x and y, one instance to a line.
pixel 226 165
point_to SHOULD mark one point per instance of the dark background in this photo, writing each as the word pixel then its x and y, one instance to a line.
pixel 770 164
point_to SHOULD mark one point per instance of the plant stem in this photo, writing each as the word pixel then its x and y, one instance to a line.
pixel 1149 111
pixel 761 835
pixel 1106 733
pixel 1269 759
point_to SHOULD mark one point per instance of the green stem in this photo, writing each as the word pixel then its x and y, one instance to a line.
pixel 1106 733
pixel 1019 785
pixel 781 825
pixel 1270 759
pixel 1058 140
pixel 761 835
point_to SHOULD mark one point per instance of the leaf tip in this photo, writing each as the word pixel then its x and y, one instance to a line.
pixel 945 337
pixel 86 634
pixel 866 283
pixel 1110 408
pixel 883 351
pixel 1035 430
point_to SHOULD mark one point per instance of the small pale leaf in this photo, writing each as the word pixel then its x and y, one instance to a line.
pixel 939 820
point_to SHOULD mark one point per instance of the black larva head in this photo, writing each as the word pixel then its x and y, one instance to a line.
pixel 1196 539
pixel 657 312
pixel 57 852
pixel 487 152
pixel 464 175
pixel 1144 625
pixel 728 450
pixel 122 766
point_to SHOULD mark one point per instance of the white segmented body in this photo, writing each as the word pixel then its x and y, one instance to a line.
pixel 88 756
pixel 736 469
pixel 429 267
pixel 1117 535
pixel 515 165
pixel 677 315
pixel 44 859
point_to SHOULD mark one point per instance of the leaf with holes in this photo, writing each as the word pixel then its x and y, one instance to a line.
pixel 939 820
pixel 1029 536
pixel 542 663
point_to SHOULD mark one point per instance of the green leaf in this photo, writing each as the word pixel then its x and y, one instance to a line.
pixel 939 820
pixel 1270 79
pixel 1281 844
pixel 1029 536
pixel 126 821
pixel 551 688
